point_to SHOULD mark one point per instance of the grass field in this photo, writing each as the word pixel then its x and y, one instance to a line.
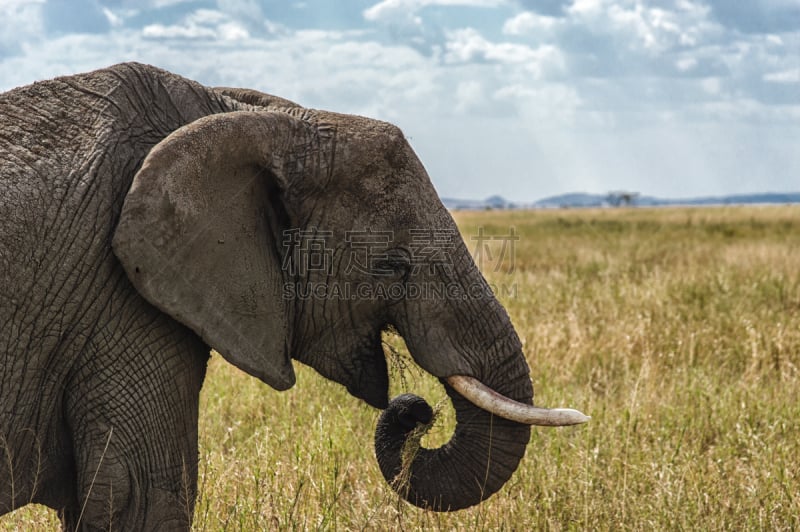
pixel 677 330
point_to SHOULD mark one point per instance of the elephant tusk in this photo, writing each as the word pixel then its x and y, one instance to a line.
pixel 484 397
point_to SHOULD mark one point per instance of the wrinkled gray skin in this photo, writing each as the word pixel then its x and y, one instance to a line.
pixel 126 255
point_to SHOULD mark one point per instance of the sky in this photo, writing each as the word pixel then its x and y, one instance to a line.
pixel 520 98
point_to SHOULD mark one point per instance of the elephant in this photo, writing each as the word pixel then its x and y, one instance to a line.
pixel 146 219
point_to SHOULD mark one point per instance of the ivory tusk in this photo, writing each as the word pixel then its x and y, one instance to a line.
pixel 484 397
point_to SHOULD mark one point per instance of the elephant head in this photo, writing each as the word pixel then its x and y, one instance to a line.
pixel 217 231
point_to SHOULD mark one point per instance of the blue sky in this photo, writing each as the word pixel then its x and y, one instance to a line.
pixel 522 98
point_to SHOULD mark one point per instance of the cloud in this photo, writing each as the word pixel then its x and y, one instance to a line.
pixel 784 76
pixel 647 44
pixel 757 16
pixel 406 9
pixel 144 5
pixel 546 103
pixel 421 24
pixel 22 22
pixel 546 7
pixel 250 15
pixel 469 96
pixel 114 20
pixel 468 45
pixel 169 3
pixel 636 25
pixel 202 24
pixel 393 10
pixel 236 23
pixel 519 97
pixel 604 38
pixel 528 22
pixel 241 8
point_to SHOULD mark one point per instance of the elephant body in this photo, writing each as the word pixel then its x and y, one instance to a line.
pixel 77 342
pixel 146 219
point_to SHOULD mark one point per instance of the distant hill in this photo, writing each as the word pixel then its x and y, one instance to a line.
pixel 493 202
pixel 741 199
pixel 574 199
pixel 581 199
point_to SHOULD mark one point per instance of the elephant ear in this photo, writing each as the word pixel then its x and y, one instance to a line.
pixel 199 233
pixel 254 97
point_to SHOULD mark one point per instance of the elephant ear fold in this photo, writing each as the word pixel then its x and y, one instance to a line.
pixel 200 230
pixel 254 97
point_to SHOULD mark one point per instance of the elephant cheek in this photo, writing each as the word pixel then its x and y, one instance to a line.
pixel 371 382
pixel 362 371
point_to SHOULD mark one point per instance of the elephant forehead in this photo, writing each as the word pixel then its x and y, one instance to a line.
pixel 368 133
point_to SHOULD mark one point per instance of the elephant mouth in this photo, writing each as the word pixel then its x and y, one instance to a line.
pixel 364 370
pixel 368 379
pixel 351 357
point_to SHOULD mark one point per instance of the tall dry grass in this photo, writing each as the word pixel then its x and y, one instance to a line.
pixel 677 329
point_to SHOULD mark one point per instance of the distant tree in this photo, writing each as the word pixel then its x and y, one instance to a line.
pixel 622 198
pixel 496 202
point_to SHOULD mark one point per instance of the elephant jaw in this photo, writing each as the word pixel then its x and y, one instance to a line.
pixel 484 397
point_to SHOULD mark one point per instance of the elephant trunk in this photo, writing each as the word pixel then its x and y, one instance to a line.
pixel 474 350
pixel 481 456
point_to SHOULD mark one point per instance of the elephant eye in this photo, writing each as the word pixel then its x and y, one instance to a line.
pixel 396 262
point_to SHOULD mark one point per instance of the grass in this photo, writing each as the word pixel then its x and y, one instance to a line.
pixel 677 330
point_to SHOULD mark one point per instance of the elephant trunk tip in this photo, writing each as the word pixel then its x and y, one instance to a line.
pixel 442 479
pixel 489 440
pixel 400 428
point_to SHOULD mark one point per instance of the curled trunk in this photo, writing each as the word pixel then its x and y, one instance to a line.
pixel 472 347
pixel 480 457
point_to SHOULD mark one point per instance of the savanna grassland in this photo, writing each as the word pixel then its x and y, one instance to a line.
pixel 677 330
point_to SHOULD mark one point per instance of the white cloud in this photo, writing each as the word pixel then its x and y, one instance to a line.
pixel 395 10
pixel 686 64
pixel 653 29
pixel 586 7
pixel 549 103
pixel 206 16
pixel 592 99
pixel 469 95
pixel 160 4
pixel 231 31
pixel 466 3
pixel 159 31
pixel 774 40
pixel 114 20
pixel 529 22
pixel 247 8
pixel 784 76
pixel 405 9
pixel 21 22
pixel 711 86
pixel 468 45
pixel 202 24
pixel 249 15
